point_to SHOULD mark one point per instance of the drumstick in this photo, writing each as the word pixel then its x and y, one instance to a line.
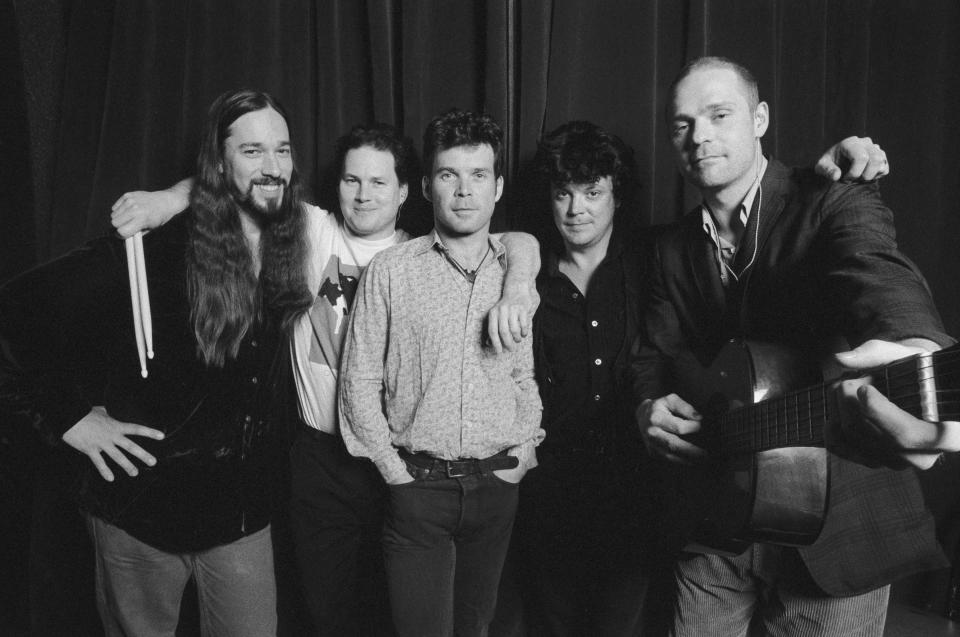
pixel 128 244
pixel 144 293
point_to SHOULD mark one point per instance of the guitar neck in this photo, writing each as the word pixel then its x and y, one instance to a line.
pixel 926 386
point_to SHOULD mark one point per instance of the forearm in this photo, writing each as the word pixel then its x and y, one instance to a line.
pixel 529 409
pixel 364 427
pixel 363 423
pixel 881 292
pixel 523 262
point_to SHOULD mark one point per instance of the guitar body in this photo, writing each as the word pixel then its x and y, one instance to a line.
pixel 757 494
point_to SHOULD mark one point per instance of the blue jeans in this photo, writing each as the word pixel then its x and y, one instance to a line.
pixel 444 542
pixel 766 590
pixel 139 587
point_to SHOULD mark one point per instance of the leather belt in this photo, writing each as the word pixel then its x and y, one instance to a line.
pixel 423 466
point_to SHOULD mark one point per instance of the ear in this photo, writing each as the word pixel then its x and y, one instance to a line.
pixel 499 188
pixel 425 187
pixel 404 191
pixel 761 119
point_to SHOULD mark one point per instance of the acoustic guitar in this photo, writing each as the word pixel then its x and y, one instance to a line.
pixel 768 480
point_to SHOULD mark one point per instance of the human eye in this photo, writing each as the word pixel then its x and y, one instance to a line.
pixel 285 151
pixel 679 128
pixel 379 182
pixel 560 195
pixel 721 115
pixel 252 152
pixel 445 176
pixel 348 179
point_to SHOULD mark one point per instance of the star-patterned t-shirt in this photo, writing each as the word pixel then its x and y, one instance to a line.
pixel 337 259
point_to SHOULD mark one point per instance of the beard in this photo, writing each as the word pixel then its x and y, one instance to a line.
pixel 271 209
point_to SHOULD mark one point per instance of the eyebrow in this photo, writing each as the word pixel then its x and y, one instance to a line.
pixel 475 169
pixel 262 145
pixel 715 106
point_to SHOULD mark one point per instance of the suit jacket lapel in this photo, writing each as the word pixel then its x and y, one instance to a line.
pixel 767 206
pixel 702 261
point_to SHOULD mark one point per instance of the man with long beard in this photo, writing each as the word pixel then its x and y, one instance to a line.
pixel 185 460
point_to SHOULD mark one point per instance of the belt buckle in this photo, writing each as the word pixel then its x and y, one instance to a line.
pixel 452 473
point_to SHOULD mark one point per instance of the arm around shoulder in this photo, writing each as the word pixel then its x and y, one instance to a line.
pixel 511 319
pixel 145 210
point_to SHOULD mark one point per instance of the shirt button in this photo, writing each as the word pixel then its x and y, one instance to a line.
pixel 256 380
pixel 248 419
pixel 253 343
pixel 594 323
pixel 575 295
pixel 596 397
pixel 597 362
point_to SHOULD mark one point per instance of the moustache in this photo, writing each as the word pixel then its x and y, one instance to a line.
pixel 269 181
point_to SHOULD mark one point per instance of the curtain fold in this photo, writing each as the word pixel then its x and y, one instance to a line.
pixel 137 78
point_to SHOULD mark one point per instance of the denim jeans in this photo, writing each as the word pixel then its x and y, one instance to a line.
pixel 139 587
pixel 444 542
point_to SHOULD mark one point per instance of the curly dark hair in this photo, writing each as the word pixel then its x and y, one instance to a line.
pixel 381 137
pixel 226 296
pixel 462 128
pixel 581 152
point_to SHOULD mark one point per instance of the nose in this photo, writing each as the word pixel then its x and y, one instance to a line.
pixel 576 206
pixel 699 132
pixel 270 166
pixel 361 194
pixel 464 188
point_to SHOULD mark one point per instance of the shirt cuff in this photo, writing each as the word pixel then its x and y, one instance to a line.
pixel 392 468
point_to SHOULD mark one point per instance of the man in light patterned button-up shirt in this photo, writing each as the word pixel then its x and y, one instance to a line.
pixel 451 425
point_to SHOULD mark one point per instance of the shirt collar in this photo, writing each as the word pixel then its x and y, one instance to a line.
pixel 436 243
pixel 709 223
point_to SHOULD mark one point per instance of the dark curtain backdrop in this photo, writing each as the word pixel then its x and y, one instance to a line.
pixel 106 96
pixel 98 97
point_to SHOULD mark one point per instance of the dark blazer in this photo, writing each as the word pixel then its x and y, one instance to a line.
pixel 825 269
pixel 67 343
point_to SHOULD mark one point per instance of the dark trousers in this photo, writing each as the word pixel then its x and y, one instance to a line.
pixel 583 548
pixel 444 542
pixel 336 514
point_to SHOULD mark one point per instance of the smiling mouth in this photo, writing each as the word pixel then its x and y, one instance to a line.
pixel 269 187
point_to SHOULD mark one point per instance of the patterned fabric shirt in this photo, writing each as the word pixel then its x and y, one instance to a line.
pixel 415 374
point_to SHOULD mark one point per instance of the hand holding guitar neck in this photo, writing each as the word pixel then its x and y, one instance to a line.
pixel 880 428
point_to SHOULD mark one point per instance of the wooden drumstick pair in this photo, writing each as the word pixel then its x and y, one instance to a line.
pixel 140 299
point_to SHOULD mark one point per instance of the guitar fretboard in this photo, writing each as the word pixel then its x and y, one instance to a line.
pixel 925 386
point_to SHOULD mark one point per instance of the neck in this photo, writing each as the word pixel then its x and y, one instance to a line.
pixel 580 262
pixel 468 250
pixel 724 202
pixel 588 257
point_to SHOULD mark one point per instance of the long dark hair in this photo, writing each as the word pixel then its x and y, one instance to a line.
pixel 226 298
